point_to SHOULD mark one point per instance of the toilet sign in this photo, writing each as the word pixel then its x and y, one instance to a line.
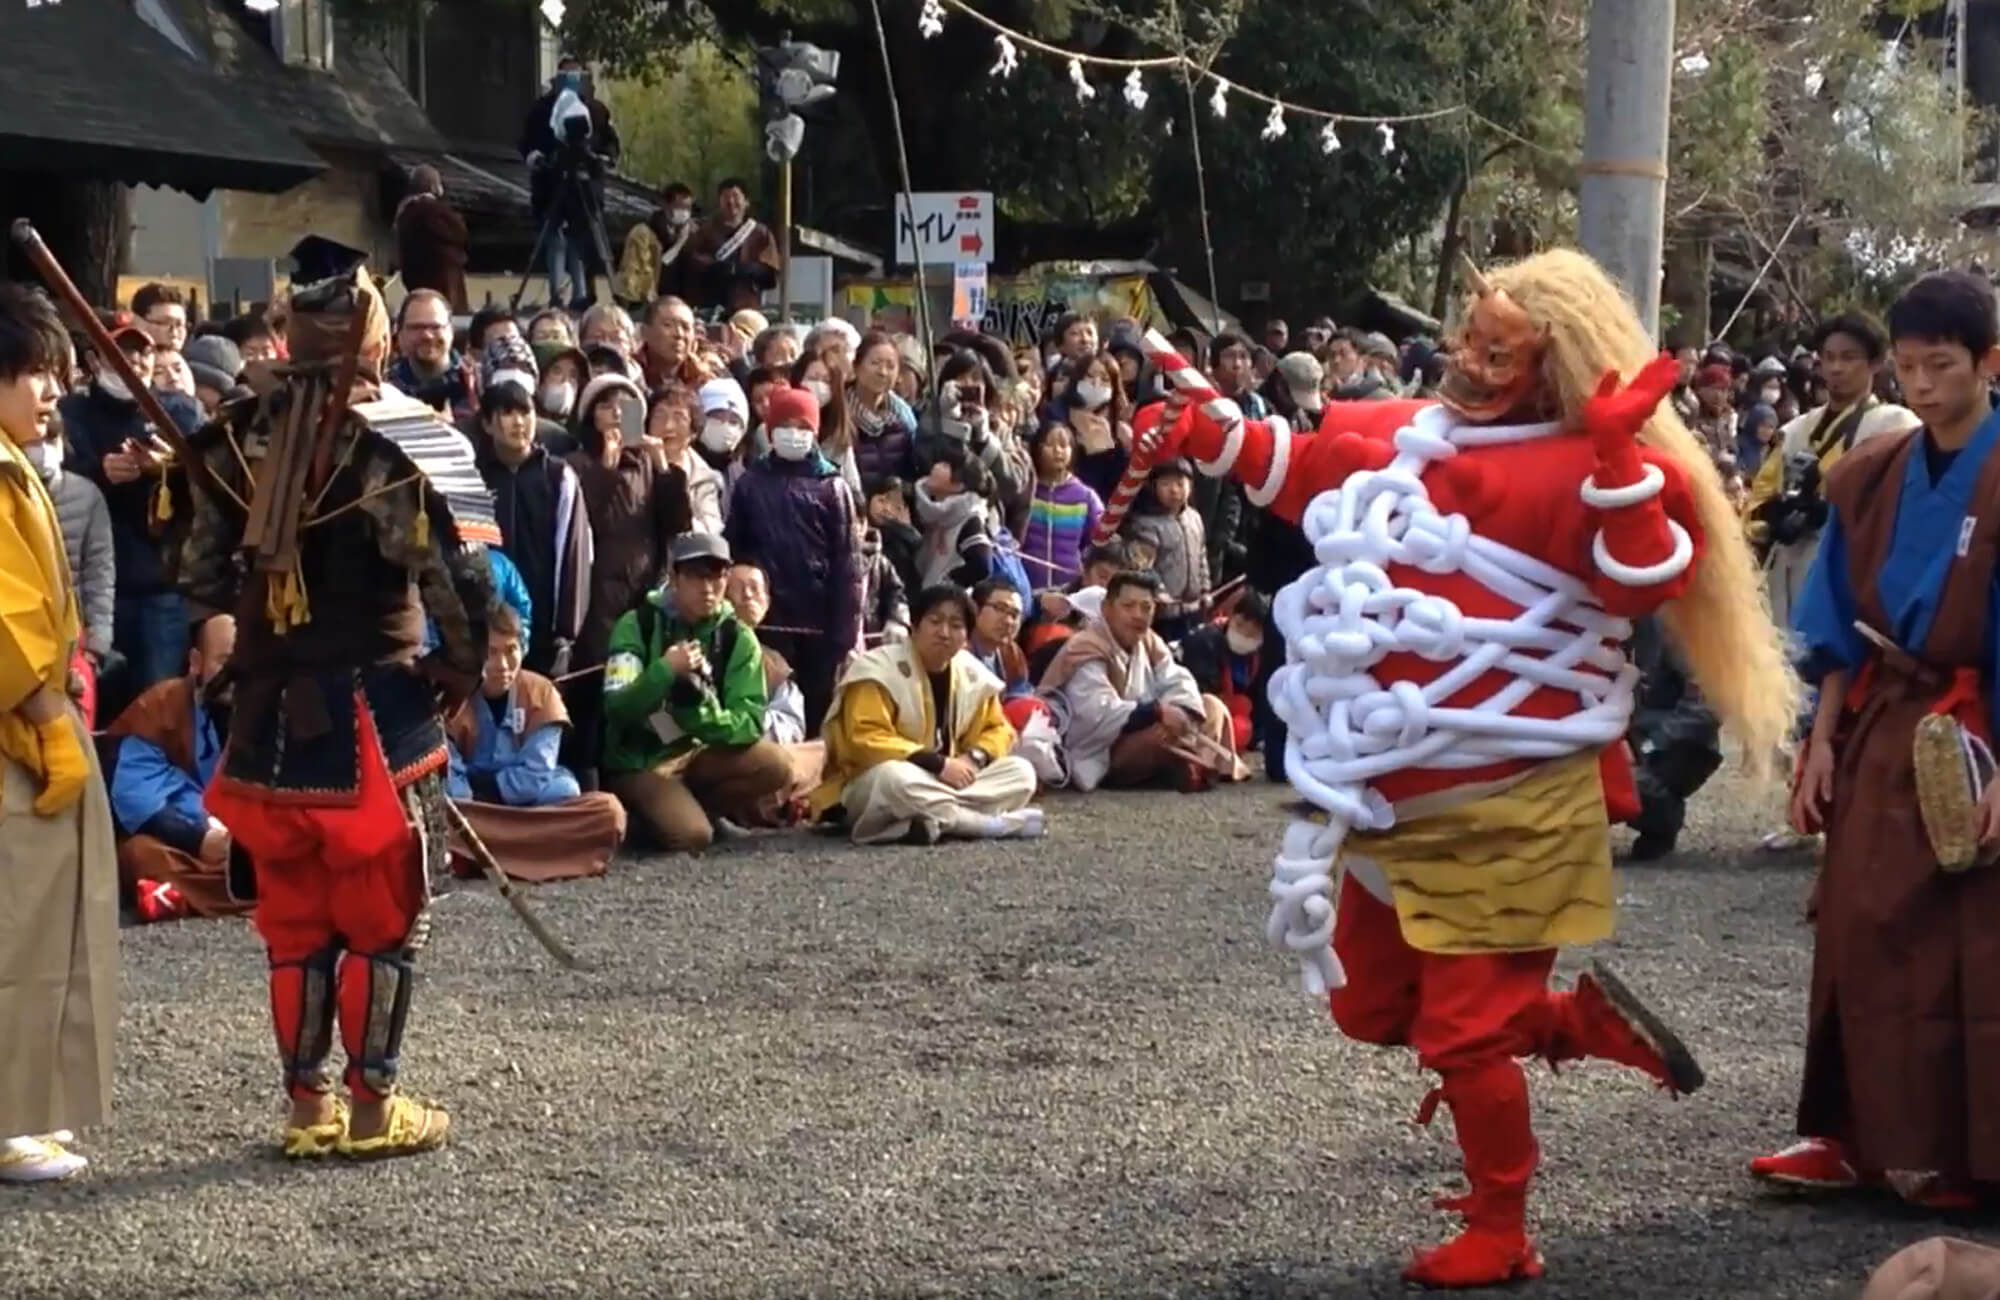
pixel 944 228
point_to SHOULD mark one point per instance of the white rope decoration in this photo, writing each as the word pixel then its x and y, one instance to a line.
pixel 1346 728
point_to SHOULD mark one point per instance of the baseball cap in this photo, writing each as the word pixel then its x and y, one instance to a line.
pixel 692 547
pixel 122 325
pixel 1301 372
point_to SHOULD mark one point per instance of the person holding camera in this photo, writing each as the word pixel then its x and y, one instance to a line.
pixel 1785 512
pixel 569 142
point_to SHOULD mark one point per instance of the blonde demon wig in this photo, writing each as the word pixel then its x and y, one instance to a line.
pixel 1721 623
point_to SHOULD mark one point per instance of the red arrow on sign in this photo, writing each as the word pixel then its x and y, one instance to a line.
pixel 971 243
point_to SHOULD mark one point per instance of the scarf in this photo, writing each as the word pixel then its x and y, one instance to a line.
pixel 1093 643
pixel 867 423
pixel 943 521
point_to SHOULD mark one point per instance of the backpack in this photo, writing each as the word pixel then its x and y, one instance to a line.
pixel 1005 563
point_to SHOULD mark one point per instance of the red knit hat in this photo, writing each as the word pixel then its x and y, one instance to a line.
pixel 791 406
pixel 1713 375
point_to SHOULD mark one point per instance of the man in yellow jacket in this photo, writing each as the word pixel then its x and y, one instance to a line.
pixel 916 744
pixel 59 927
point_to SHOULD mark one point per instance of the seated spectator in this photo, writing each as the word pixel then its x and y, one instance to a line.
pixel 749 594
pixel 217 367
pixel 917 746
pixel 952 512
pixel 1054 618
pixel 1227 660
pixel 522 803
pixel 684 700
pixel 1130 708
pixel 158 756
pixel 1163 518
pixel 996 621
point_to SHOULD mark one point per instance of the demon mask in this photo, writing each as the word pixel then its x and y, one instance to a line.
pixel 1493 368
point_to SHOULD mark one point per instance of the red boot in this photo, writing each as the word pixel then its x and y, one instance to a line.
pixel 1602 1018
pixel 1489 1108
pixel 158 900
pixel 1813 1165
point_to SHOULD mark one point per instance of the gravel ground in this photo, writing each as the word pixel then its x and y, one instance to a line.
pixel 1070 1068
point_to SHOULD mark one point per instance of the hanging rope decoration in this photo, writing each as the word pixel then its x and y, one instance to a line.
pixel 1009 43
pixel 1007 58
pixel 1135 90
pixel 1085 92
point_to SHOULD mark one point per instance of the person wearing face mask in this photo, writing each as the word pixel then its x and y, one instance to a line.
pixel 725 417
pixel 1227 659
pixel 107 440
pixel 654 262
pixel 1089 396
pixel 564 370
pixel 793 515
pixel 158 756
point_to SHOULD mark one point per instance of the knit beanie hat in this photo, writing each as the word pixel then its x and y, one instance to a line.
pixel 509 359
pixel 792 406
pixel 724 394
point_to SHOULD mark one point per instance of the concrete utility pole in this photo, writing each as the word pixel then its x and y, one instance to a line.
pixel 1622 201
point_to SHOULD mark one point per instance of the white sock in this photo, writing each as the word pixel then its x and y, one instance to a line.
pixel 1030 823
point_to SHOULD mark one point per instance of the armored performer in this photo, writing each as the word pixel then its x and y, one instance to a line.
pixel 330 514
pixel 1456 695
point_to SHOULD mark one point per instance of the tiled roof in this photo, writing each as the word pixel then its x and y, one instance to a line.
pixel 362 103
pixel 91 88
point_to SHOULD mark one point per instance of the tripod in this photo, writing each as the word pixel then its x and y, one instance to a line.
pixel 573 197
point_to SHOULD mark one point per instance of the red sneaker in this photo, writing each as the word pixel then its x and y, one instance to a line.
pixel 1477 1257
pixel 1604 1019
pixel 159 900
pixel 1814 1164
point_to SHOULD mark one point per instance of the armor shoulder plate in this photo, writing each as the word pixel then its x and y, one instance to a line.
pixel 413 434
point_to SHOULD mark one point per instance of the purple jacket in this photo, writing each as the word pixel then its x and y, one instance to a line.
pixel 796 521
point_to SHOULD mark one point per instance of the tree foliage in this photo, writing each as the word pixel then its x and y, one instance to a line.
pixel 693 120
pixel 1791 130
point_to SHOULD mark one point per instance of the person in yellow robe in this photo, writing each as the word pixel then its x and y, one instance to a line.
pixel 916 745
pixel 59 927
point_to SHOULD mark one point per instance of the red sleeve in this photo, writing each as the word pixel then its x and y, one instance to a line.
pixel 1308 463
pixel 1640 537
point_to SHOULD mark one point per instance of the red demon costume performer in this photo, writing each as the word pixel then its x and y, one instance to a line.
pixel 322 525
pixel 1456 693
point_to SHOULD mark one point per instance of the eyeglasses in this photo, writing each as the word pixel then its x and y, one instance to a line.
pixel 1004 611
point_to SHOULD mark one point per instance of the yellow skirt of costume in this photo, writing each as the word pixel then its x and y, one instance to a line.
pixel 1524 867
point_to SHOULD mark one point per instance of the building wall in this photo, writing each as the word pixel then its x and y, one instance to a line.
pixel 166 235
pixel 343 204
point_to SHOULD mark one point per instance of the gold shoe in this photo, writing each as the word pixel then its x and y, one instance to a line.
pixel 312 1141
pixel 414 1128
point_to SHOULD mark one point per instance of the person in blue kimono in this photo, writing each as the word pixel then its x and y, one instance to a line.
pixel 1897 621
pixel 158 756
pixel 506 777
pixel 508 588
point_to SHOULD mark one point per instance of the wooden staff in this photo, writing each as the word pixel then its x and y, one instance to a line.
pixel 57 279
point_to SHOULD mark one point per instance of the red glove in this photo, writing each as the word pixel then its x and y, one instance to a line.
pixel 1165 428
pixel 1613 417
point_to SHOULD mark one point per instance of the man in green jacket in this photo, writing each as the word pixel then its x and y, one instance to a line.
pixel 684 705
